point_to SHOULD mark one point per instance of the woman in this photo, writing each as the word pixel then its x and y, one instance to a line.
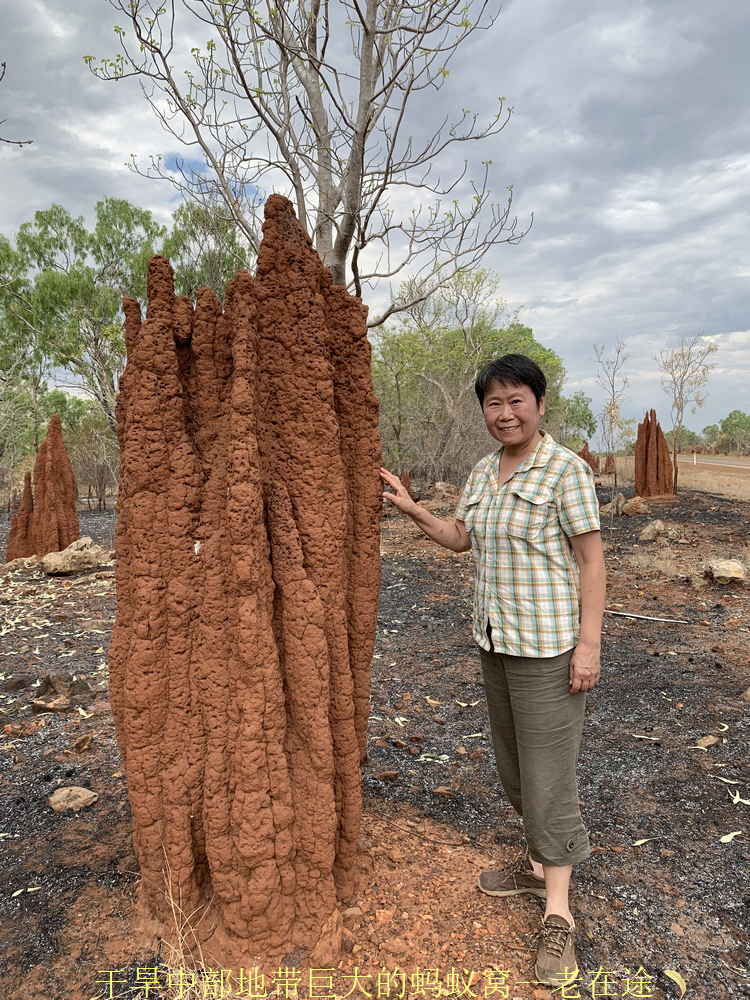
pixel 529 514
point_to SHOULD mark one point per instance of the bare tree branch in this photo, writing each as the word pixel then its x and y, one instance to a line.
pixel 11 142
pixel 273 101
pixel 686 370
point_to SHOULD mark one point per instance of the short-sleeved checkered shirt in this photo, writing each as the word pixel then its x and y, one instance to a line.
pixel 526 582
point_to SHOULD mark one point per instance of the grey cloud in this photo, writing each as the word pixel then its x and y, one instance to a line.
pixel 630 142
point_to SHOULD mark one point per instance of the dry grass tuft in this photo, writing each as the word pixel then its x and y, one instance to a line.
pixel 183 971
pixel 665 562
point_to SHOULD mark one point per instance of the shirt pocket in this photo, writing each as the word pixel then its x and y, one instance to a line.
pixel 529 512
pixel 472 505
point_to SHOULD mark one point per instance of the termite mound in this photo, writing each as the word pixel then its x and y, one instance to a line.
pixel 248 572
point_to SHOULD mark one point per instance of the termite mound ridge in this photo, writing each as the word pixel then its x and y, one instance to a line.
pixel 654 476
pixel 247 578
pixel 592 460
pixel 21 534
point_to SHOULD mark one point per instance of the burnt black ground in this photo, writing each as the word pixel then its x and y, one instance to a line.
pixel 628 900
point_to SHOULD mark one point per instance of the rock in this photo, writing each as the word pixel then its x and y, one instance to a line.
pixel 673 534
pixel 654 476
pixel 55 520
pixel 386 775
pixel 21 535
pixel 327 950
pixel 442 790
pixel 72 797
pixel 13 684
pixel 635 506
pixel 445 492
pixel 79 557
pixel 19 564
pixel 59 704
pixel 708 741
pixel 651 531
pixel 615 506
pixel 394 946
pixel 745 696
pixel 725 571
pixel 351 913
pixel 53 685
pixel 248 571
pixel 80 690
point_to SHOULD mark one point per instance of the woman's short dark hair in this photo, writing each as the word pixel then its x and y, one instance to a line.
pixel 511 369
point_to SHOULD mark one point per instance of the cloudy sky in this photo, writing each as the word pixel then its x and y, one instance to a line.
pixel 629 142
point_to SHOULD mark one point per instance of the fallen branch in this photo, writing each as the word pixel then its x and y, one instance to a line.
pixel 648 618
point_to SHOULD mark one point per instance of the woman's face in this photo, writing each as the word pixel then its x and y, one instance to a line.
pixel 512 414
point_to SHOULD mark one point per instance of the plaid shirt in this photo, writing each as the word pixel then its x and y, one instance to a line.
pixel 526 581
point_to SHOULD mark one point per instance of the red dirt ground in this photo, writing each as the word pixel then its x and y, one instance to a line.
pixel 434 814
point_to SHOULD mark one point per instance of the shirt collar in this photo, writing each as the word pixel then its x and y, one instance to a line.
pixel 539 457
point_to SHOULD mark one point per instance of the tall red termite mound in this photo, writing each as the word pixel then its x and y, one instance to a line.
pixel 609 465
pixel 55 521
pixel 21 535
pixel 653 465
pixel 593 460
pixel 248 572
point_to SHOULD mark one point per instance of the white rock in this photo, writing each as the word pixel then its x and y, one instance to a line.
pixel 79 556
pixel 725 571
pixel 615 506
pixel 652 530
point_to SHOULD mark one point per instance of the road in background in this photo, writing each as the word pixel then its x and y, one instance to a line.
pixel 716 461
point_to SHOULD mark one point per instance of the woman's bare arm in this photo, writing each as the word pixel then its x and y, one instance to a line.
pixel 450 534
pixel 585 662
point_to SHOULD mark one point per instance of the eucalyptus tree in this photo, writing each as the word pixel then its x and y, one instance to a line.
pixel 61 290
pixel 206 248
pixel 329 104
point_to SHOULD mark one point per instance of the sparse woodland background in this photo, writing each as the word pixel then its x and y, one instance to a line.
pixel 62 350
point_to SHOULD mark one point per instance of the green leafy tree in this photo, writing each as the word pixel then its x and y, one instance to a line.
pixel 425 366
pixel 576 422
pixel 94 453
pixel 736 428
pixel 206 248
pixel 61 291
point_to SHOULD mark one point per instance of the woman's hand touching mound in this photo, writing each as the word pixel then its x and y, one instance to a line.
pixel 400 497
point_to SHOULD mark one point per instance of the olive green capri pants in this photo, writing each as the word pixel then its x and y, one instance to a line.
pixel 536 734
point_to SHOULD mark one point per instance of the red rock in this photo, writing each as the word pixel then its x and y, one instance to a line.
pixel 593 460
pixel 247 575
pixel 55 521
pixel 653 465
pixel 21 535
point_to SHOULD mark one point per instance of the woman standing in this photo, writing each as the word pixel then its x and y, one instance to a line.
pixel 530 516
